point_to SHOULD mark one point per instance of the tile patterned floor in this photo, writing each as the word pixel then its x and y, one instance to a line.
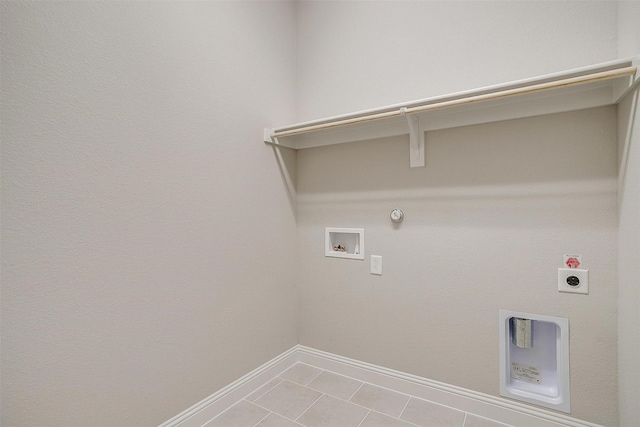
pixel 307 396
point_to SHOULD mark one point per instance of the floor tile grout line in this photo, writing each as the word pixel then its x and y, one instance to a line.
pixel 363 382
pixel 369 409
pixel 301 363
pixel 391 416
pixel 270 411
pixel 310 406
pixel 377 386
pixel 388 389
pixel 365 417
pixel 274 413
pixel 283 416
pixel 355 392
pixel 337 398
pixel 279 382
pixel 405 406
pixel 225 410
pixel 261 419
pixel 408 396
pixel 329 394
pixel 439 404
pixel 346 376
pixel 351 378
pixel 311 380
pixel 396 418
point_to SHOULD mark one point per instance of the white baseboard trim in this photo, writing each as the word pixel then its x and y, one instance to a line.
pixel 496 408
pixel 210 407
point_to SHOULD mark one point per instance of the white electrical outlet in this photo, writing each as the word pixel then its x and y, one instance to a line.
pixel 376 264
pixel 573 280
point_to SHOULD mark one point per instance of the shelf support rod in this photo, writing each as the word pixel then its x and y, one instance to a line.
pixel 416 139
pixel 269 139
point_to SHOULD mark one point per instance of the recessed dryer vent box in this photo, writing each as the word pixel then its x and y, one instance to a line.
pixel 344 243
pixel 534 359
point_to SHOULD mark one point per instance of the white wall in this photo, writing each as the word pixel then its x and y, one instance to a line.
pixel 147 239
pixel 629 231
pixel 488 219
pixel 358 55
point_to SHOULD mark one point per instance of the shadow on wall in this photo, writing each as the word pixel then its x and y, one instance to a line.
pixel 551 154
pixel 286 159
pixel 624 142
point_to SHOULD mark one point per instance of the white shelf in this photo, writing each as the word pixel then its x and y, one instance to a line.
pixel 587 87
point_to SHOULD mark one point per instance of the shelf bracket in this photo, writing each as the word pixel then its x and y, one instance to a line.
pixel 416 139
pixel 274 142
pixel 268 139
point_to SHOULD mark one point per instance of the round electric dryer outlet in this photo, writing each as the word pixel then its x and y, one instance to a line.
pixel 573 280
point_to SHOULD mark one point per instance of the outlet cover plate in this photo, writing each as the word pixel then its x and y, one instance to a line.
pixel 566 275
